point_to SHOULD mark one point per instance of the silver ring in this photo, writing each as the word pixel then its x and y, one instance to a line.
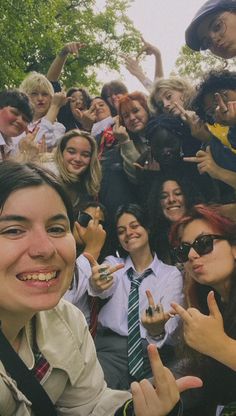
pixel 104 275
pixel 150 310
pixel 159 308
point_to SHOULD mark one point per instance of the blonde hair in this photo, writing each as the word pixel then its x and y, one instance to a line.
pixel 92 175
pixel 36 81
pixel 172 83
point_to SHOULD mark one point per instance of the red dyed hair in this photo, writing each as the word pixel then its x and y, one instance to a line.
pixel 223 225
pixel 126 103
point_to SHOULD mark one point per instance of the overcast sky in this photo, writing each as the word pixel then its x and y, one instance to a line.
pixel 162 23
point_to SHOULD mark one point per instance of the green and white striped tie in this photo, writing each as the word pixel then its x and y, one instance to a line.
pixel 135 351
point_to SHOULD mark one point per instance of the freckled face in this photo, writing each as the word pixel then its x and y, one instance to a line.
pixel 77 155
pixel 37 250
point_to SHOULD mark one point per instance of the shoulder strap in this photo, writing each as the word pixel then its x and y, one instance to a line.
pixel 26 381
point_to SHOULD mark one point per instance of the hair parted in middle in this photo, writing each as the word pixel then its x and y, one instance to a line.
pixel 92 175
pixel 36 81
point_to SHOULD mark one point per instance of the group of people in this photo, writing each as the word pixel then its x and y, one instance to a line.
pixel 118 223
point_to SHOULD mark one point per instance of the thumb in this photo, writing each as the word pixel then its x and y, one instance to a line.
pixel 208 150
pixel 188 382
pixel 91 259
pixel 212 305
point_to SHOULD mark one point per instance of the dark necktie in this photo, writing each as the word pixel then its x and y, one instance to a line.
pixel 229 410
pixel 135 351
pixel 2 150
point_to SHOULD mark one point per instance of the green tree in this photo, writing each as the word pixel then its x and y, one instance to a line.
pixel 33 31
pixel 194 64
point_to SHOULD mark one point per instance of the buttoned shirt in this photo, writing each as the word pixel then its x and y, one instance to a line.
pixel 166 285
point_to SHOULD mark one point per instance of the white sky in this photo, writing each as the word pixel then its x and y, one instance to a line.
pixel 162 23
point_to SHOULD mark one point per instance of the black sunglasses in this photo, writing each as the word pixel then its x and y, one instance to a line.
pixel 84 218
pixel 202 245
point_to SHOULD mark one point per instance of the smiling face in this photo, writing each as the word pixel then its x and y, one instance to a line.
pixel 217 33
pixel 37 250
pixel 172 201
pixel 215 268
pixel 101 109
pixel 76 102
pixel 135 117
pixel 12 122
pixel 77 155
pixel 132 236
pixel 40 100
pixel 168 97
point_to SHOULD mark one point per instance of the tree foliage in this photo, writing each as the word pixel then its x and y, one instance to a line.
pixel 33 31
pixel 195 64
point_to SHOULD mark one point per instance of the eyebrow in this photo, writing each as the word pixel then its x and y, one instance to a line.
pixel 20 218
pixel 132 222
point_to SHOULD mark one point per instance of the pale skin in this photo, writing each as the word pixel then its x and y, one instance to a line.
pixel 205 333
pixel 155 324
pixel 161 400
pixel 198 128
pixel 206 164
pixel 120 132
pixel 57 65
pixel 30 150
pixel 93 236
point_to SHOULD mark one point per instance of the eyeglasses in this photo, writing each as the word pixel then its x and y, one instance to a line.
pixel 202 245
pixel 218 28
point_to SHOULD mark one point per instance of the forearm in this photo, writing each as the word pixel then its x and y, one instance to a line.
pixel 52 113
pixel 159 72
pixel 56 67
pixel 225 352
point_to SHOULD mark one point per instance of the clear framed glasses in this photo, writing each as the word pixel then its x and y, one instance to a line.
pixel 217 28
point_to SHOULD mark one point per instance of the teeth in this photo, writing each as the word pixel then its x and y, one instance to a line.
pixel 39 276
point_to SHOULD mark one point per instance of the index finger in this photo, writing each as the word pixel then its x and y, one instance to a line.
pixel 157 367
pixel 180 108
pixel 191 159
pixel 96 216
pixel 222 106
pixel 181 312
pixel 91 259
pixel 150 298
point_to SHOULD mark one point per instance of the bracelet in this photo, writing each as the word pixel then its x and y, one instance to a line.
pixel 63 53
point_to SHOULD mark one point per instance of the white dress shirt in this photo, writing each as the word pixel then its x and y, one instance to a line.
pixel 166 285
pixel 9 147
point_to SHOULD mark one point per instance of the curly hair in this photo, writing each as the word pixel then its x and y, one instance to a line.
pixel 214 81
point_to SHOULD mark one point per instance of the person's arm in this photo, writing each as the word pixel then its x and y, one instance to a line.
pixel 206 164
pixel 205 333
pixel 133 66
pixel 150 49
pixel 57 65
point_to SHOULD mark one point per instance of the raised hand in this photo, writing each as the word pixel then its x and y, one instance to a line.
pixel 198 128
pixel 204 333
pixel 206 163
pixel 102 278
pixel 225 113
pixel 72 48
pixel 161 400
pixel 120 132
pixel 154 318
pixel 28 146
pixel 148 48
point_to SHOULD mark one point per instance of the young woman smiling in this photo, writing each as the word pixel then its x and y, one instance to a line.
pixel 78 166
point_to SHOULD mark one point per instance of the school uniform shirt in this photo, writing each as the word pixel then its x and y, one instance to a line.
pixel 9 147
pixel 78 294
pixel 166 285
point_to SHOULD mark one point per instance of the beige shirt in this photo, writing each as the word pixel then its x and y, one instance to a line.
pixel 75 381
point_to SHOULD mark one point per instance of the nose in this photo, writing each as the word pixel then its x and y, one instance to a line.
pixel 171 198
pixel 192 254
pixel 41 246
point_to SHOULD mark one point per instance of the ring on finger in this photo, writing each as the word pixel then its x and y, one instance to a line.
pixel 104 275
pixel 159 308
pixel 108 278
pixel 150 310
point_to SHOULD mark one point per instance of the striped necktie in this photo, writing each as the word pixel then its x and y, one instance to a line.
pixel 135 351
pixel 229 410
pixel 2 150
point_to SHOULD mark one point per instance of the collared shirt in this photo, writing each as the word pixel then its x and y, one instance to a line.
pixel 78 294
pixel 166 285
pixel 51 131
pixel 75 382
pixel 9 147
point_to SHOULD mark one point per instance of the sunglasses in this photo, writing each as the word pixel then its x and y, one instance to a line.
pixel 202 245
pixel 84 218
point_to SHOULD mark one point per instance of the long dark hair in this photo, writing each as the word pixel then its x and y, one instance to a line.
pixel 159 224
